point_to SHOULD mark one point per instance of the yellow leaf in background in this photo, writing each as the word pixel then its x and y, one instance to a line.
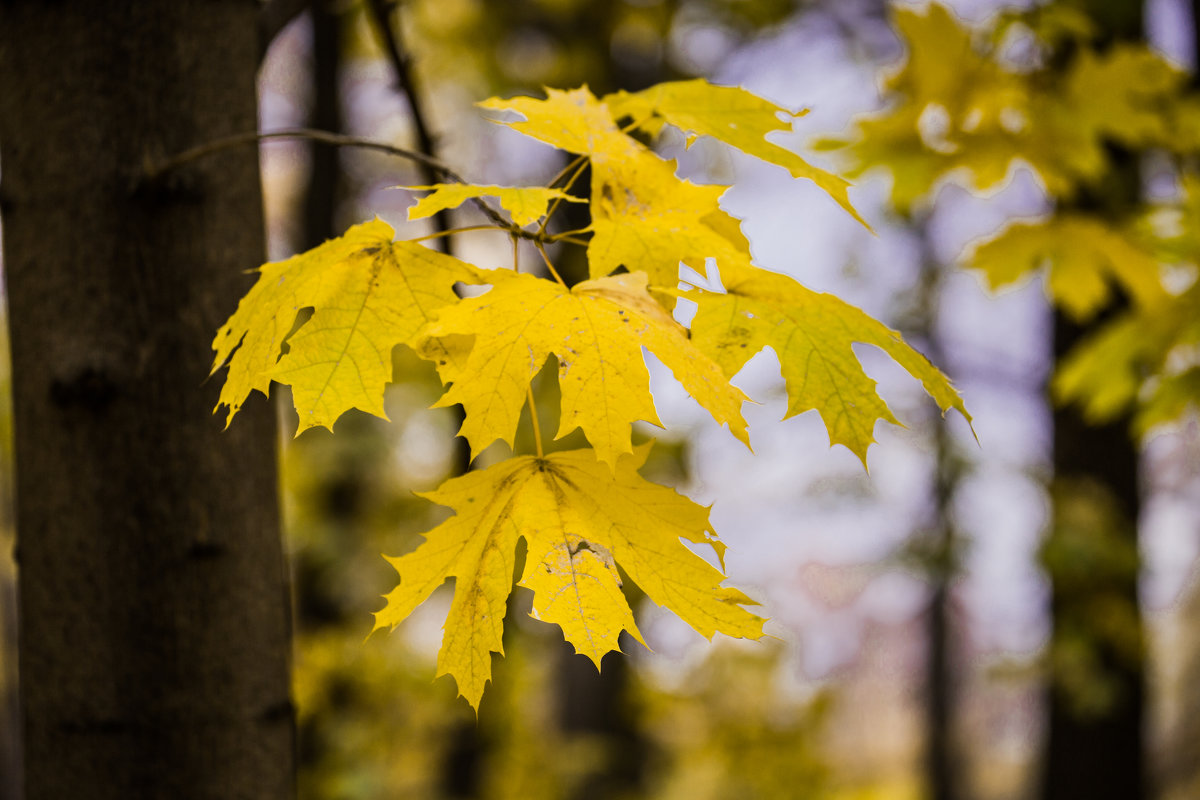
pixel 1184 128
pixel 978 99
pixel 934 37
pixel 732 115
pixel 890 141
pixel 1104 372
pixel 1082 254
pixel 1126 94
pixel 597 330
pixel 368 293
pixel 1142 361
pixel 971 122
pixel 1174 396
pixel 1122 94
pixel 978 121
pixel 811 334
pixel 579 521
pixel 526 203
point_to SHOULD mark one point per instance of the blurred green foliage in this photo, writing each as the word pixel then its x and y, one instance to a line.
pixel 1092 558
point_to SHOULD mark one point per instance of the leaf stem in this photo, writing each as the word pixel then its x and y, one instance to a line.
pixel 566 236
pixel 155 171
pixel 537 428
pixel 452 231
pixel 582 163
pixel 562 173
pixel 542 249
pixel 512 231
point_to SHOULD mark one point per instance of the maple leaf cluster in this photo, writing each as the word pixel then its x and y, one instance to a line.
pixel 585 515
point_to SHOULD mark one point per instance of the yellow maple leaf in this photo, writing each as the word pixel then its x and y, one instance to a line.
pixel 811 334
pixel 526 203
pixel 1082 254
pixel 597 330
pixel 644 217
pixel 579 521
pixel 732 115
pixel 573 120
pixel 368 293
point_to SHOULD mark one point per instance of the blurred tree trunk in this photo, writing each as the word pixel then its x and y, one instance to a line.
pixel 155 630
pixel 940 764
pixel 1096 694
pixel 938 551
pixel 325 175
pixel 1181 760
pixel 594 709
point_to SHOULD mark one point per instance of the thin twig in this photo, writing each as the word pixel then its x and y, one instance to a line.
pixel 336 139
pixel 156 171
pixel 466 229
pixel 557 237
pixel 379 11
pixel 564 237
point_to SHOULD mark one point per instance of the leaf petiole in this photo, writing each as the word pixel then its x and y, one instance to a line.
pixel 542 249
pixel 574 164
pixel 568 236
pixel 537 428
pixel 579 165
pixel 452 231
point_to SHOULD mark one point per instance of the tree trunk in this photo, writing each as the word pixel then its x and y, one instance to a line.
pixel 325 171
pixel 155 629
pixel 939 548
pixel 1096 697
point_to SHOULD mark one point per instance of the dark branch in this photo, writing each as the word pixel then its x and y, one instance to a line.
pixel 380 12
pixel 156 172
pixel 336 139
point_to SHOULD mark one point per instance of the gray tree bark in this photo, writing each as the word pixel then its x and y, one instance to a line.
pixel 154 616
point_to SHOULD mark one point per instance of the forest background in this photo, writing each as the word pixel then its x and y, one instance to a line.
pixel 912 608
